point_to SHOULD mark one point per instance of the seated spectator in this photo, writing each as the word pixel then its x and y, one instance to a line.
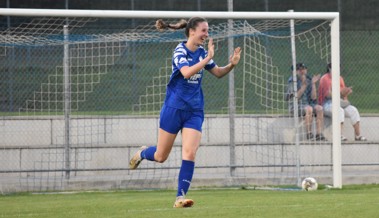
pixel 307 101
pixel 346 109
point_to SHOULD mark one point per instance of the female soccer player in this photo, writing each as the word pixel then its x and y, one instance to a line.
pixel 183 108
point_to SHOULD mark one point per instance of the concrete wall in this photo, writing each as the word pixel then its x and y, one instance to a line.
pixel 131 131
pixel 32 155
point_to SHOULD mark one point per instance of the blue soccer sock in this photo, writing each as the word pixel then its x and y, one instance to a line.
pixel 185 177
pixel 148 153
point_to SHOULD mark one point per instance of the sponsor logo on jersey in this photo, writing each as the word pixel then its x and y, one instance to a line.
pixel 195 78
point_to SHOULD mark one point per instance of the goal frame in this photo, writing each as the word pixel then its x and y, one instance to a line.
pixel 335 45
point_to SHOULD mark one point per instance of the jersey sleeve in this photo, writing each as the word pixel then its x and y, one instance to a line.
pixel 180 58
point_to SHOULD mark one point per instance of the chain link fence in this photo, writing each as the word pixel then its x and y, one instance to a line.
pixel 118 80
pixel 358 24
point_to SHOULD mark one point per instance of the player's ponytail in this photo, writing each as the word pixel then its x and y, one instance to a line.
pixel 161 25
pixel 190 24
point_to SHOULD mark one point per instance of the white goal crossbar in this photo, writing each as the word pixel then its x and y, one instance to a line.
pixel 168 14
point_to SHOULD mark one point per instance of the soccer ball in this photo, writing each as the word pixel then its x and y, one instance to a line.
pixel 309 184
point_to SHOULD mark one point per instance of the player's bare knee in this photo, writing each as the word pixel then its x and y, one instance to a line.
pixel 189 156
pixel 160 158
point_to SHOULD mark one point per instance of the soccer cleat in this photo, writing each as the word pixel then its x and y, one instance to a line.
pixel 136 159
pixel 182 202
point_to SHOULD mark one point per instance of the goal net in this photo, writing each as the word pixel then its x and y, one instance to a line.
pixel 81 94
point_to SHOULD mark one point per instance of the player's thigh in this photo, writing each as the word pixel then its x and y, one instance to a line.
pixel 171 119
pixel 164 144
pixel 190 142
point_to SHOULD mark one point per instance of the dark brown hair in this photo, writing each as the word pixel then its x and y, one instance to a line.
pixel 190 24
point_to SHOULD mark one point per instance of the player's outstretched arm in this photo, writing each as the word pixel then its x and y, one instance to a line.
pixel 233 61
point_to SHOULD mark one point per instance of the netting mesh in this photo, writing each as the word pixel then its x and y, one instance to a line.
pixel 117 78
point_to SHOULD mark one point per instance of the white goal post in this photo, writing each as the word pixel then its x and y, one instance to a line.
pixel 333 17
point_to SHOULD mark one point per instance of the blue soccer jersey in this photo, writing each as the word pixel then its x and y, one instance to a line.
pixel 182 93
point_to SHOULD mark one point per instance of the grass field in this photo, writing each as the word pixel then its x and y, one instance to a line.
pixel 351 201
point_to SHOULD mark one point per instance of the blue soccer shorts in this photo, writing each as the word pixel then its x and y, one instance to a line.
pixel 173 120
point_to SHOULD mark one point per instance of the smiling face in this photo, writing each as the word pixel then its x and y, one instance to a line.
pixel 199 34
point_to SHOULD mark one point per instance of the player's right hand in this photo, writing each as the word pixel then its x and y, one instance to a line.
pixel 211 48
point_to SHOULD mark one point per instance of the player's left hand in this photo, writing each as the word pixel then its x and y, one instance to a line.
pixel 236 56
